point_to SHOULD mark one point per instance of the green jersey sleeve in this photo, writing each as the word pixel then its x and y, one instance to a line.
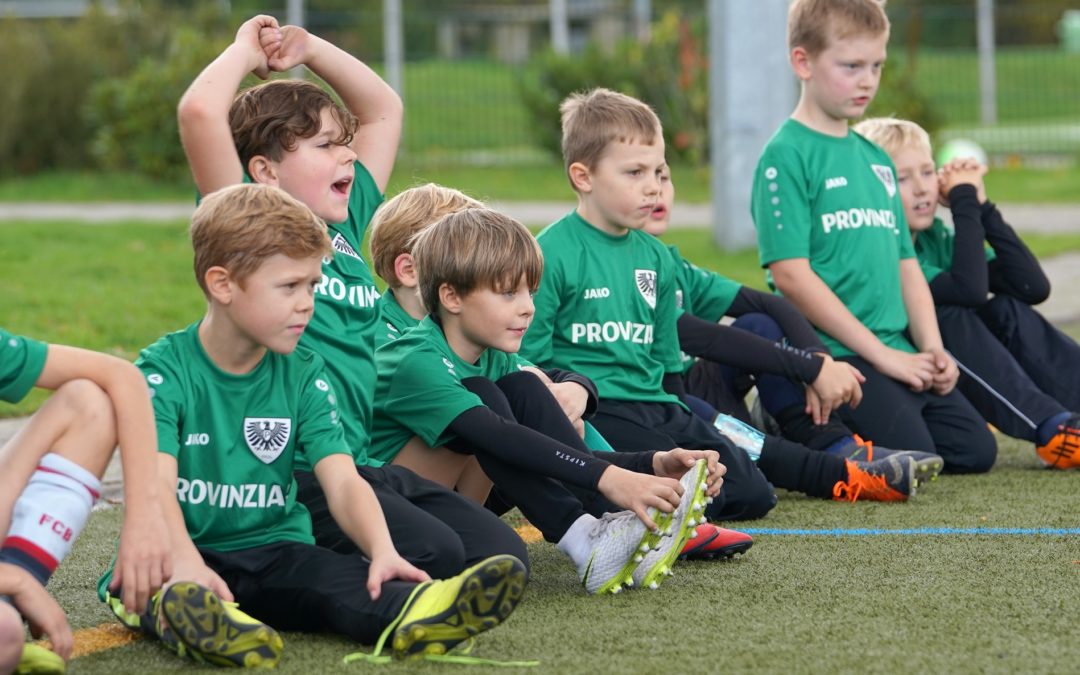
pixel 702 293
pixel 21 363
pixel 320 429
pixel 780 205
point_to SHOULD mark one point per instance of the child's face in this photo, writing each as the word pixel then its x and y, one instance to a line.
pixel 624 187
pixel 275 302
pixel 660 217
pixel 319 172
pixel 918 180
pixel 497 319
pixel 843 79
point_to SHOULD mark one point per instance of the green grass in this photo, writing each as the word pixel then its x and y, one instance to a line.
pixel 890 604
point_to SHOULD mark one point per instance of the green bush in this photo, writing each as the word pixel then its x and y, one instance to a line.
pixel 900 96
pixel 668 73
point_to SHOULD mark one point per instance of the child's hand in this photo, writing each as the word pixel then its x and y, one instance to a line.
pixel 389 567
pixel 638 492
pixel 250 36
pixel 837 383
pixel 192 568
pixel 571 397
pixel 143 562
pixel 947 372
pixel 917 371
pixel 285 48
pixel 39 609
pixel 675 462
pixel 965 171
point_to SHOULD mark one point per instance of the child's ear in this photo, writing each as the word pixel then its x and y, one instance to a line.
pixel 580 176
pixel 450 299
pixel 800 63
pixel 262 170
pixel 405 270
pixel 219 284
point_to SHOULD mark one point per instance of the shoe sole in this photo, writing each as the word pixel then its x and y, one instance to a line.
pixel 486 598
pixel 725 552
pixel 37 660
pixel 695 500
pixel 928 470
pixel 202 624
pixel 650 540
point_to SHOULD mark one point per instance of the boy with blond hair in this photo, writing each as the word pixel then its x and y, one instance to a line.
pixel 50 478
pixel 455 384
pixel 832 233
pixel 236 403
pixel 606 308
pixel 1016 369
pixel 336 159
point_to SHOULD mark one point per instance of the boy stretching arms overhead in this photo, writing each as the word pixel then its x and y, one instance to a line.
pixel 606 309
pixel 336 159
pixel 235 405
pixel 831 230
pixel 1019 371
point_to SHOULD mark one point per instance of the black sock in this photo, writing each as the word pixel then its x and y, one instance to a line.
pixel 795 467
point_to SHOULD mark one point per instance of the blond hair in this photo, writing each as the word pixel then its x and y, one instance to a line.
pixel 472 249
pixel 240 226
pixel 396 221
pixel 813 23
pixel 594 119
pixel 894 135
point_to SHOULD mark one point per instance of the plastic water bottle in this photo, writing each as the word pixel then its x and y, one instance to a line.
pixel 741 434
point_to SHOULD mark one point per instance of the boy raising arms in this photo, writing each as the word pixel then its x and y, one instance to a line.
pixel 1019 371
pixel 336 160
pixel 832 233
pixel 235 404
pixel 49 480
pixel 606 309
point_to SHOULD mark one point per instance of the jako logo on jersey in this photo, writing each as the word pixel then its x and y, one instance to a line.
pixel 646 285
pixel 197 439
pixel 593 293
pixel 856 218
pixel 885 175
pixel 358 296
pixel 612 331
pixel 267 437
pixel 839 181
pixel 342 246
pixel 245 496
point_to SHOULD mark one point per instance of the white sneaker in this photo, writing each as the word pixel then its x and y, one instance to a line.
pixel 618 542
pixel 657 563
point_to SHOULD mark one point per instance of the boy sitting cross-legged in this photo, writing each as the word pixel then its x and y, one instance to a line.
pixel 336 158
pixel 606 308
pixel 453 384
pixel 236 403
pixel 1018 370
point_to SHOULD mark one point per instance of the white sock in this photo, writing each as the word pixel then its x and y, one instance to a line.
pixel 575 543
pixel 49 514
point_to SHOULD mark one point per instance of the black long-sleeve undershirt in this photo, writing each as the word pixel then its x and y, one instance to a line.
pixel 742 349
pixel 796 327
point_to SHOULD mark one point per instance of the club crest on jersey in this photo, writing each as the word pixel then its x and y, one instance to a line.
pixel 342 246
pixel 885 175
pixel 645 280
pixel 267 437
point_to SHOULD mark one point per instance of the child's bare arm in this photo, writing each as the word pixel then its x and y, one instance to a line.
pixel 805 289
pixel 923 325
pixel 375 104
pixel 356 510
pixel 38 608
pixel 204 108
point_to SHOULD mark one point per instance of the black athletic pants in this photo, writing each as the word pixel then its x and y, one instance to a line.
pixel 299 587
pixel 1016 368
pixel 435 529
pixel 898 418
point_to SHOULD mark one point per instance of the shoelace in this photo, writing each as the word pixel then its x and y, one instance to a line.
pixel 869 445
pixel 377 657
pixel 843 490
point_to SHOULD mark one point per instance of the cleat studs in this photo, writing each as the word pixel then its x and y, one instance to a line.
pixel 638 558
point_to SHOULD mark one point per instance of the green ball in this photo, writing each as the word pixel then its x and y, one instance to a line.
pixel 959 148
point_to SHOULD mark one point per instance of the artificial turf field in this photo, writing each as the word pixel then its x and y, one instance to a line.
pixel 932 600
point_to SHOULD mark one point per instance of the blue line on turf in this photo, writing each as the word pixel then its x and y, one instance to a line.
pixel 876 532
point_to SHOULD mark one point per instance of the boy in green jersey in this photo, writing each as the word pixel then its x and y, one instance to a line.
pixel 606 309
pixel 1018 371
pixel 336 159
pixel 49 481
pixel 235 405
pixel 832 233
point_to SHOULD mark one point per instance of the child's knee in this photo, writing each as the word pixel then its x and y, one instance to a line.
pixel 490 395
pixel 760 324
pixel 521 384
pixel 89 407
pixel 977 455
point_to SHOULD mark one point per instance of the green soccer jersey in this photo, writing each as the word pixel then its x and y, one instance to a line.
pixel 393 319
pixel 606 309
pixel 835 202
pixel 21 362
pixel 934 249
pixel 236 437
pixel 701 293
pixel 419 392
